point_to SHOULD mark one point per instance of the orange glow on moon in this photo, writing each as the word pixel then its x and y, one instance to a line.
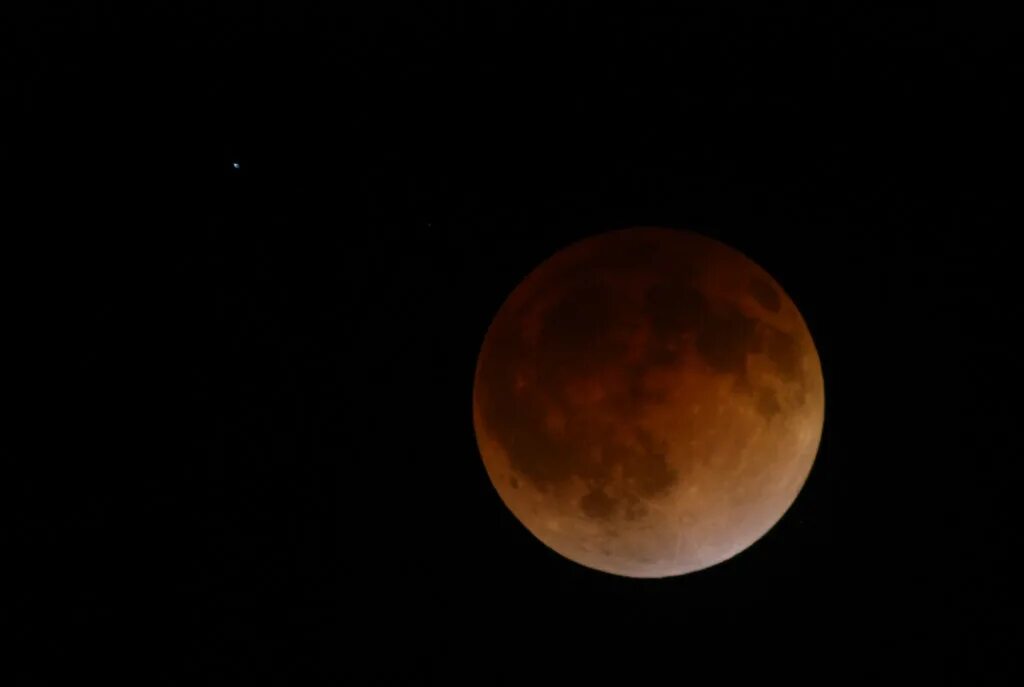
pixel 648 402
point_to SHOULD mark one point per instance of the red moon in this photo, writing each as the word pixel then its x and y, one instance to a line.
pixel 648 402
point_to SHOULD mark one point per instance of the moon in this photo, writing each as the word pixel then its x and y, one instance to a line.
pixel 648 402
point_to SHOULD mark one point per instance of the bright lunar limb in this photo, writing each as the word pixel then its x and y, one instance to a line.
pixel 648 402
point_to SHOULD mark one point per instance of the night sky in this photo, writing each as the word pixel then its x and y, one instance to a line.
pixel 264 242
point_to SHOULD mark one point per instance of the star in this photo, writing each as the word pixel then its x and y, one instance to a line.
pixel 236 165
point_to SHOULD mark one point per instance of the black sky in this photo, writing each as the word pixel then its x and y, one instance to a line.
pixel 257 457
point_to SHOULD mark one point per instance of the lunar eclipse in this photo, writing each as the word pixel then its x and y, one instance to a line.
pixel 648 402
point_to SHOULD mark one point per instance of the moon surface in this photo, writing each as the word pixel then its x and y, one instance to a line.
pixel 648 402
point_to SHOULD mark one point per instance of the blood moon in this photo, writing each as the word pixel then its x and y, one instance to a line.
pixel 648 402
